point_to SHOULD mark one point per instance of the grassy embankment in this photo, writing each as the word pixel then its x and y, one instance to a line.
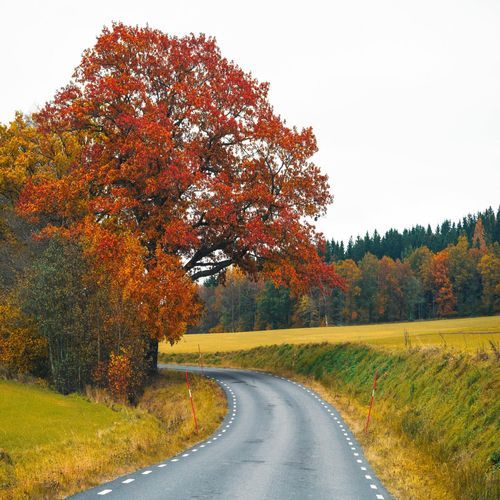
pixel 468 334
pixel 435 431
pixel 53 445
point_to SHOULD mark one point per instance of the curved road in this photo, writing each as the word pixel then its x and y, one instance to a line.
pixel 279 440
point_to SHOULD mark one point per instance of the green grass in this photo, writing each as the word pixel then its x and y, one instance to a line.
pixel 53 445
pixel 467 334
pixel 438 410
pixel 34 416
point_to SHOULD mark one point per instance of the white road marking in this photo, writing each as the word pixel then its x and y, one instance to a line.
pixel 104 492
pixel 195 450
pixel 214 439
pixel 146 472
pixel 373 487
pixel 367 476
pixel 174 460
pixel 380 497
pixel 352 448
pixel 162 465
pixel 202 446
pixel 223 430
pixel 359 461
pixel 363 468
pixel 129 480
pixel 186 455
pixel 356 454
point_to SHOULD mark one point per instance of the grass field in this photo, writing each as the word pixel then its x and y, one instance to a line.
pixel 467 334
pixel 53 445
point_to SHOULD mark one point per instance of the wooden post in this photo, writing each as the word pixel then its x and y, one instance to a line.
pixel 192 402
pixel 371 401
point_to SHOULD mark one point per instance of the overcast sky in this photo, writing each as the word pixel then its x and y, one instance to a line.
pixel 404 96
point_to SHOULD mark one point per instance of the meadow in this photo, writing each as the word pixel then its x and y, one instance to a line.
pixel 465 334
pixel 53 445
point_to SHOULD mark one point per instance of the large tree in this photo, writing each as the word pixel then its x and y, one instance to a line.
pixel 182 156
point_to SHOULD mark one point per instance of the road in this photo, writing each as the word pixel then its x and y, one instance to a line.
pixel 279 440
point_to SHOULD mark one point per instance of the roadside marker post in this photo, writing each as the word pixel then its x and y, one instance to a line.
pixel 201 361
pixel 192 402
pixel 371 401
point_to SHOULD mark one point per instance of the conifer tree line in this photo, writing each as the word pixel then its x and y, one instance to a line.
pixel 452 271
pixel 397 245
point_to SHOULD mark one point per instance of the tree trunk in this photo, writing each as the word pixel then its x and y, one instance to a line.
pixel 152 357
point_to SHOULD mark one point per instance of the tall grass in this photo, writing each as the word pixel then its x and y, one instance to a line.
pixel 441 407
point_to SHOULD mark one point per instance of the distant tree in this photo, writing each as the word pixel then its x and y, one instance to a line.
pixel 368 285
pixel 478 239
pixel 350 272
pixel 444 297
pixel 306 313
pixel 273 307
pixel 465 277
pixel 489 268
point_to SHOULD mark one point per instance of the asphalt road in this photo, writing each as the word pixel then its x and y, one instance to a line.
pixel 279 440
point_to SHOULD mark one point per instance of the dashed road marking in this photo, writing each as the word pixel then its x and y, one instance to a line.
pixel 186 455
pixel 146 472
pixel 174 460
pixel 373 487
pixel 162 465
pixel 104 492
pixel 367 476
pixel 129 480
pixel 380 497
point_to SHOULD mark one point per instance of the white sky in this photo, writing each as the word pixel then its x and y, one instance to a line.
pixel 404 96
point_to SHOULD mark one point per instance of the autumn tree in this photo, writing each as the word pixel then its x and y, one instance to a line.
pixel 306 313
pixel 489 267
pixel 180 151
pixel 22 349
pixel 465 276
pixel 349 270
pixel 439 276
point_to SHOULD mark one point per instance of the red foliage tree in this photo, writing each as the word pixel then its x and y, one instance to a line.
pixel 441 284
pixel 182 153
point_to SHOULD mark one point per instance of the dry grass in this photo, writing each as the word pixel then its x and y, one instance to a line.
pixel 405 470
pixel 57 445
pixel 469 334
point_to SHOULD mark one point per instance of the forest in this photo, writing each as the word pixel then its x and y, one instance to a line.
pixel 452 271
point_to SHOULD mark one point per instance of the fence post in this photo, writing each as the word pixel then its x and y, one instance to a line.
pixel 371 401
pixel 192 402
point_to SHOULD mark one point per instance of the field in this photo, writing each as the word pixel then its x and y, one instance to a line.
pixel 52 445
pixel 469 334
